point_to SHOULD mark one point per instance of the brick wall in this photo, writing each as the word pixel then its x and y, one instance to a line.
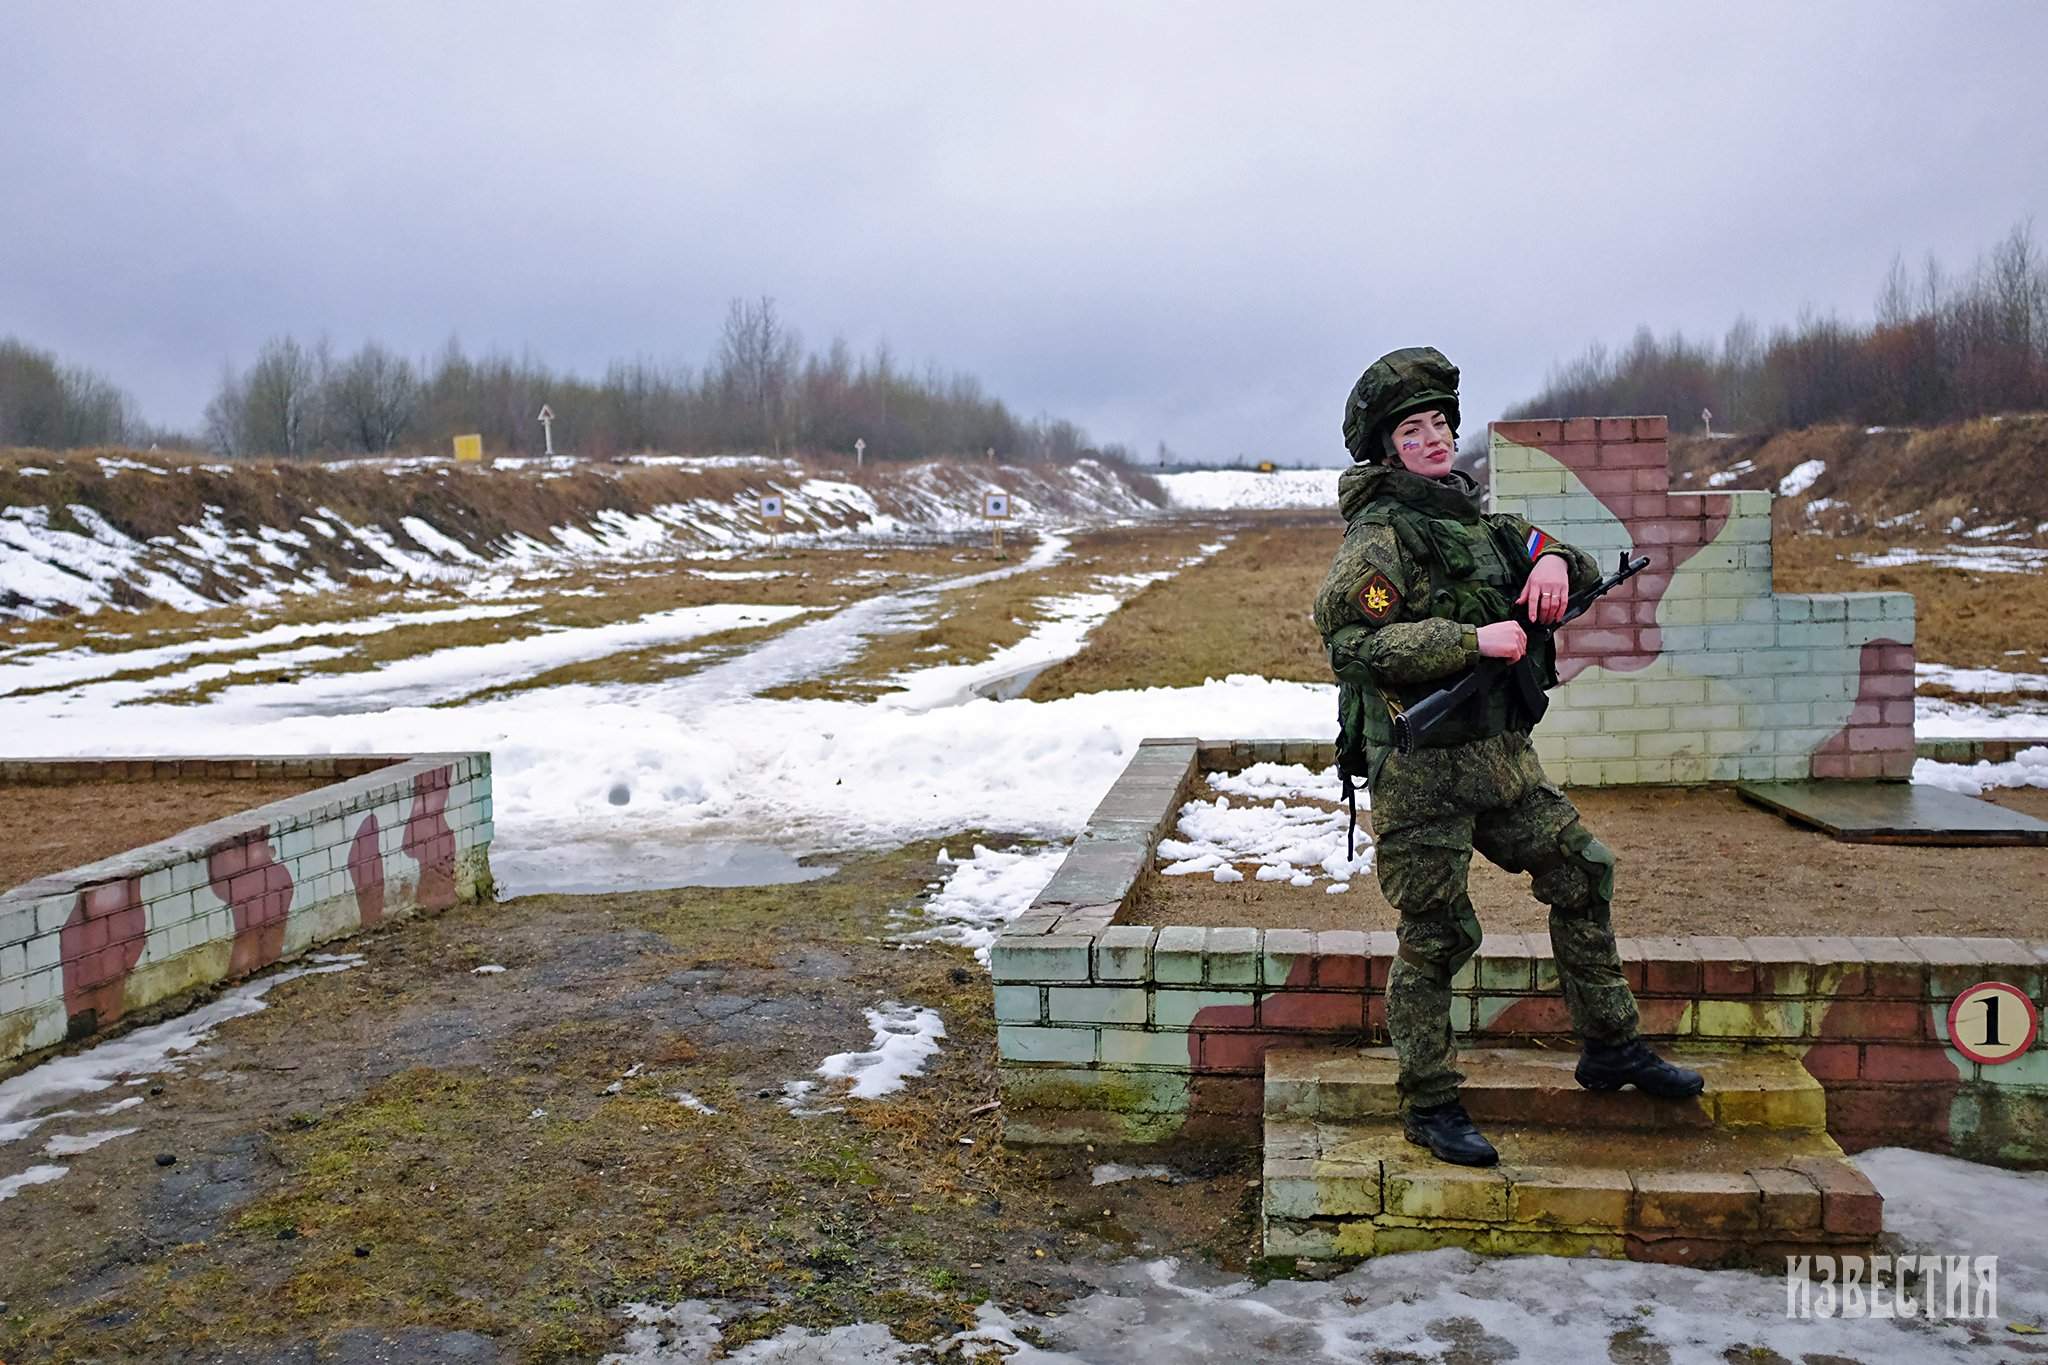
pixel 1696 671
pixel 83 947
pixel 1128 1033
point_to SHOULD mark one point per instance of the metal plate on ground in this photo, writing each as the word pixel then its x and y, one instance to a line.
pixel 1895 813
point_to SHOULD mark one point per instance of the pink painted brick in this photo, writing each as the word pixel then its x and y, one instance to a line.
pixel 1727 966
pixel 1670 967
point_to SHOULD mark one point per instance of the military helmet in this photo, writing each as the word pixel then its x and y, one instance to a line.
pixel 1398 383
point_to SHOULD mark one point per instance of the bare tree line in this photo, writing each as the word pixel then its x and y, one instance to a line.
pixel 56 406
pixel 759 392
pixel 1938 349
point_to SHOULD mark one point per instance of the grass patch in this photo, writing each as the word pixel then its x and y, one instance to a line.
pixel 1244 611
pixel 1964 618
pixel 437 1196
pixel 972 624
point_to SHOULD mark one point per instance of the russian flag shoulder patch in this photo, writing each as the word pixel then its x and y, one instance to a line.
pixel 1539 541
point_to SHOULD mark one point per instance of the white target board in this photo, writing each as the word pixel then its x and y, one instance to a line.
pixel 995 506
pixel 771 507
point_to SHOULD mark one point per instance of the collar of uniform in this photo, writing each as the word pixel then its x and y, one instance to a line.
pixel 1454 495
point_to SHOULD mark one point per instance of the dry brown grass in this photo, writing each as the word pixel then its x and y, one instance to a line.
pixel 50 828
pixel 971 624
pixel 1964 618
pixel 1678 850
pixel 581 598
pixel 1983 470
pixel 1244 611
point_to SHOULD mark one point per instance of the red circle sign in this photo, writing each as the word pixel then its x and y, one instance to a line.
pixel 1993 1022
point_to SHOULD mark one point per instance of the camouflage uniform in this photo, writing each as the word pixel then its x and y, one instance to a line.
pixel 1419 569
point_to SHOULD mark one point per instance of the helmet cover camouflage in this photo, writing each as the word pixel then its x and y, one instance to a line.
pixel 1411 379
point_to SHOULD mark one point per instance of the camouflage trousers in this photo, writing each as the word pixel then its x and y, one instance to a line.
pixel 1430 810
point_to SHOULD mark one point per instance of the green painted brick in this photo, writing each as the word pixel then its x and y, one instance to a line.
pixel 1042 957
pixel 1028 1043
pixel 1233 957
pixel 1281 950
pixel 1600 746
pixel 1749 1019
pixel 1177 955
pixel 1669 743
pixel 1020 1004
pixel 1123 952
pixel 1095 1004
pixel 1145 1047
pixel 1177 1009
pixel 1670 692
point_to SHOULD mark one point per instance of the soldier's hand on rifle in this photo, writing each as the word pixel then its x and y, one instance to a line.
pixel 1503 640
pixel 1547 592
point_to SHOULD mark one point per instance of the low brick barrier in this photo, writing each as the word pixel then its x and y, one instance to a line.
pixel 1978 750
pixel 1132 1033
pixel 394 835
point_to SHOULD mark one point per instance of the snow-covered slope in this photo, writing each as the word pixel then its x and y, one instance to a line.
pixel 85 532
pixel 1223 489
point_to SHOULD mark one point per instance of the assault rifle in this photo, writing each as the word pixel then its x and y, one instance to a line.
pixel 1416 721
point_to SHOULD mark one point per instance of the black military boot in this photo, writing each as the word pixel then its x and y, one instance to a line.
pixel 1446 1129
pixel 1610 1066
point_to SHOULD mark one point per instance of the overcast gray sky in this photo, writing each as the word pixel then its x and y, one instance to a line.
pixel 1188 222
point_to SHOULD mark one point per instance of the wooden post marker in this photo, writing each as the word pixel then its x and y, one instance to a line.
pixel 996 507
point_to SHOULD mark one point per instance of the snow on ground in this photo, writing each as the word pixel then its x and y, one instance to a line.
pixel 65 1144
pixel 49 568
pixel 1979 679
pixel 1801 478
pixel 1940 718
pixel 1222 489
pixel 605 786
pixel 1060 635
pixel 1290 843
pixel 906 1037
pixel 1978 558
pixel 84 665
pixel 1115 1173
pixel 984 893
pixel 1722 478
pixel 1452 1306
pixel 2028 768
pixel 29 1100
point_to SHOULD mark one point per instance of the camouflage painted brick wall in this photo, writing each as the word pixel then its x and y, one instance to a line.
pixel 82 948
pixel 1696 671
pixel 1130 1033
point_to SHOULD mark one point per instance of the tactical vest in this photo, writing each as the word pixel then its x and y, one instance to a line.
pixel 1475 570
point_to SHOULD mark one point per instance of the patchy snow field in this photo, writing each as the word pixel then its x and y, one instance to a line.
pixel 1232 489
pixel 69 556
pixel 1297 844
pixel 1457 1308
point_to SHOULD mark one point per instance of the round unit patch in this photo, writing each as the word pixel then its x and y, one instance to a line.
pixel 1992 1022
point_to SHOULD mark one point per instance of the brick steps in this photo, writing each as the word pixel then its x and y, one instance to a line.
pixel 1534 1086
pixel 1744 1174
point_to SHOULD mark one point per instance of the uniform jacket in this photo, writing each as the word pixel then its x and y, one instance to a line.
pixel 1396 620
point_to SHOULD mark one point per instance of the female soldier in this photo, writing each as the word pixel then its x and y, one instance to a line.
pixel 1423 587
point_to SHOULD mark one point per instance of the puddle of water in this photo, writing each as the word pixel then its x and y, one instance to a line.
pixel 598 867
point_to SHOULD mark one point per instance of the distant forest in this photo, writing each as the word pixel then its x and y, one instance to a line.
pixel 1940 348
pixel 760 392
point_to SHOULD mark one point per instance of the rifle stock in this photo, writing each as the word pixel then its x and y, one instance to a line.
pixel 1412 724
